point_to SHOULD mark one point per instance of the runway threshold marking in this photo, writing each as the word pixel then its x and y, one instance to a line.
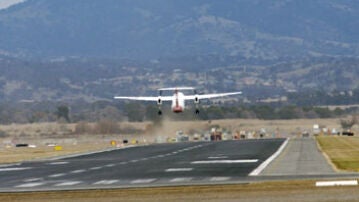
pixel 225 161
pixel 178 169
pixel 263 165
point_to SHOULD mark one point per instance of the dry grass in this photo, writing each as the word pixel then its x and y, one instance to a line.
pixel 267 191
pixel 343 151
pixel 42 133
pixel 13 155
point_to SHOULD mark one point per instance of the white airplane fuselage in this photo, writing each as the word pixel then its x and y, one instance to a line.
pixel 178 102
pixel 178 98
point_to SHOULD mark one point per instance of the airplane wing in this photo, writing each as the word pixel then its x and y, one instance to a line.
pixel 209 96
pixel 163 98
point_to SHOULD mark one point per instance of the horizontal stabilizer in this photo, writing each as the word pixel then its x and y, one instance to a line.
pixel 163 98
pixel 176 88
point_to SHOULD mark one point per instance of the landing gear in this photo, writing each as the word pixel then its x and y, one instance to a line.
pixel 159 112
pixel 196 101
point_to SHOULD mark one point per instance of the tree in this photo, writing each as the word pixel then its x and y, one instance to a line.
pixel 349 123
pixel 63 112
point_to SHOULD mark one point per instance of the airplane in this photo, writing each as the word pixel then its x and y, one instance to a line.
pixel 178 98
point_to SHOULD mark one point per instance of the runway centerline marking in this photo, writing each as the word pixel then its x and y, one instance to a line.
pixel 57 175
pixel 217 179
pixel 217 157
pixel 225 161
pixel 181 179
pixel 78 171
pixel 28 185
pixel 143 181
pixel 106 182
pixel 33 179
pixel 14 169
pixel 96 168
pixel 58 163
pixel 178 169
pixel 69 183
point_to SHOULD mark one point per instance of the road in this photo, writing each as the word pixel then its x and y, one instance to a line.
pixel 153 165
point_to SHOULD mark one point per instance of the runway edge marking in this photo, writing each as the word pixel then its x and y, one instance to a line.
pixel 261 167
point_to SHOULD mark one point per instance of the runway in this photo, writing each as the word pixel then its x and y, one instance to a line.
pixel 153 165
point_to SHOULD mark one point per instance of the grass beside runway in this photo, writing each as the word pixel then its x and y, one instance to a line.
pixel 14 154
pixel 343 151
pixel 303 190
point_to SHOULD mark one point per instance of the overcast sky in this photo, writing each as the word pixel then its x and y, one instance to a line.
pixel 7 3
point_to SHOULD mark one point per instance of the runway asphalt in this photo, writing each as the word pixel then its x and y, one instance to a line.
pixel 191 163
pixel 153 165
pixel 300 157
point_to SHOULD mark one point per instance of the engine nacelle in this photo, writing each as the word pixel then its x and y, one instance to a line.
pixel 196 99
pixel 159 101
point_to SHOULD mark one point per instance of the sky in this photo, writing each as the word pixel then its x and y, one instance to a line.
pixel 7 3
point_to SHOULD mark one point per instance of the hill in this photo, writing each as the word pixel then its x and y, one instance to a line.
pixel 147 30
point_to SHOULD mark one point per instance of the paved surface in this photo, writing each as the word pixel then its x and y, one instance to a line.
pixel 300 157
pixel 155 165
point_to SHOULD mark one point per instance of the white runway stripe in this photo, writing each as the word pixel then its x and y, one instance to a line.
pixel 143 181
pixel 96 168
pixel 68 183
pixel 217 179
pixel 58 163
pixel 181 179
pixel 106 182
pixel 14 169
pixel 28 185
pixel 217 157
pixel 78 171
pixel 225 161
pixel 178 169
pixel 263 165
pixel 337 183
pixel 33 179
pixel 57 175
